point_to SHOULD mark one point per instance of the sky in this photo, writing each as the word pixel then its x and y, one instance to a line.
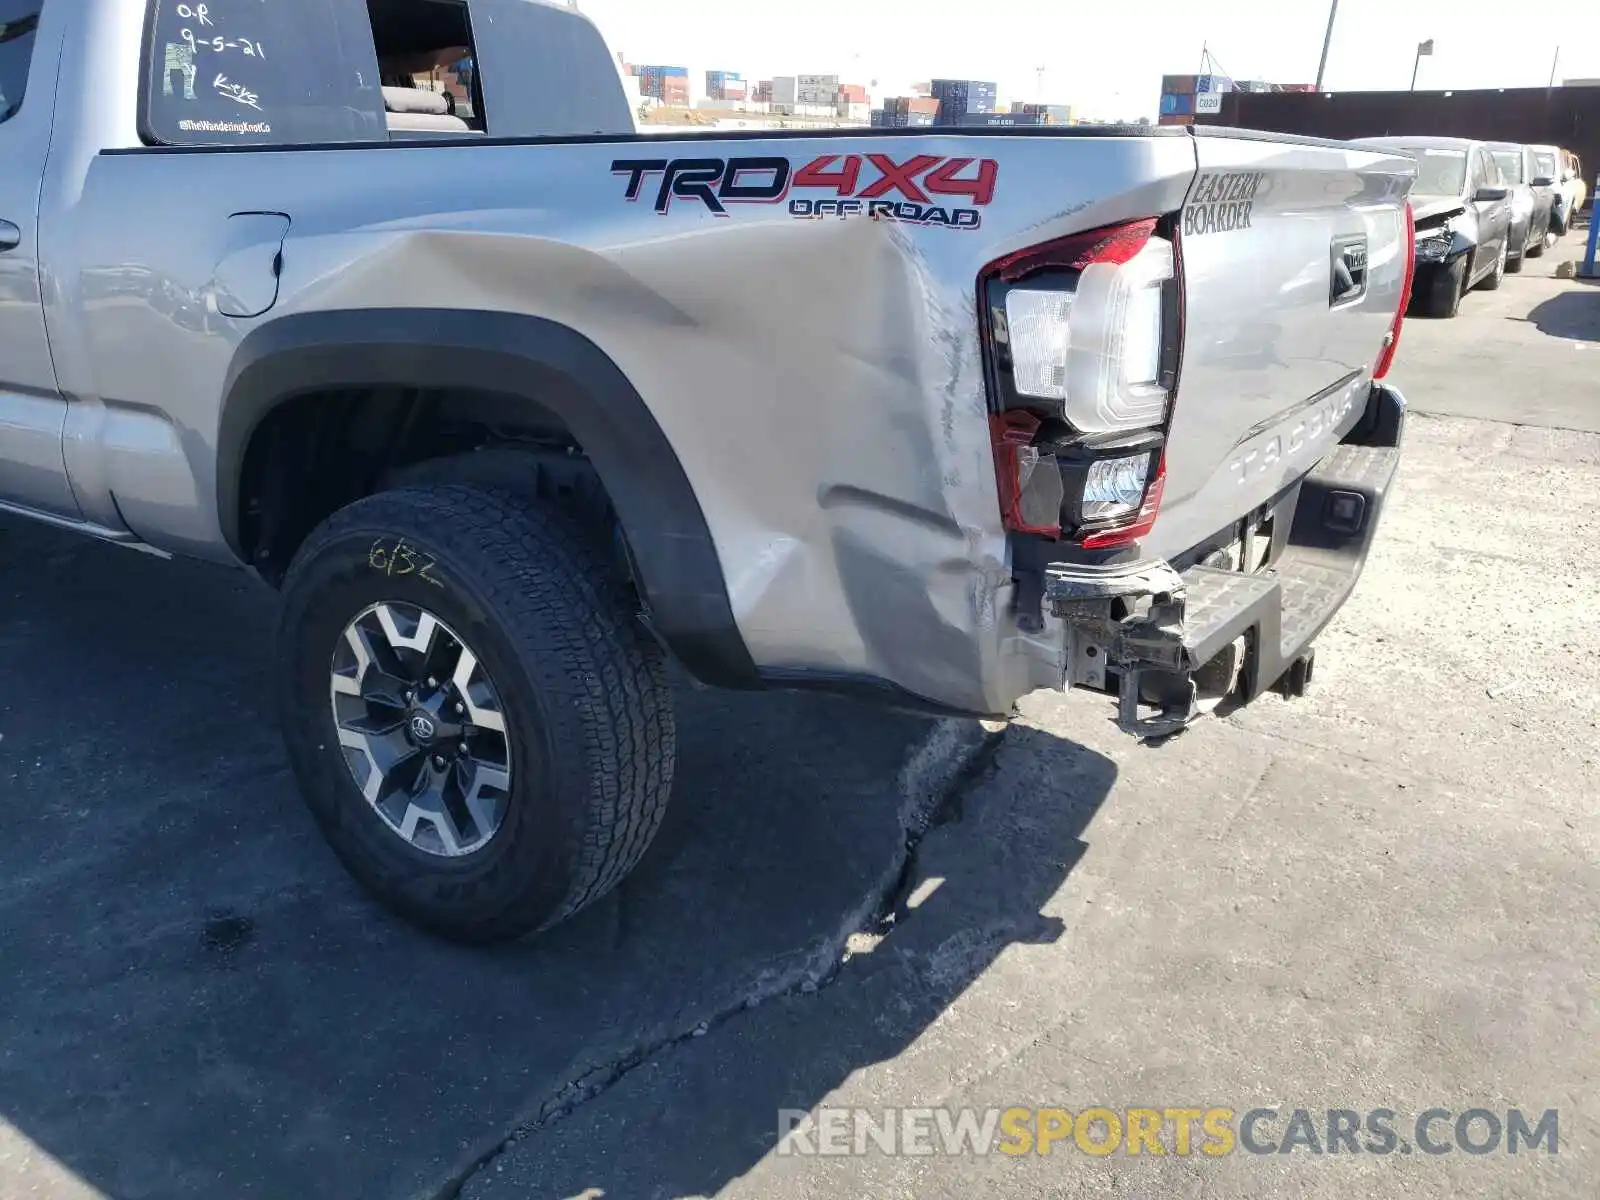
pixel 1107 58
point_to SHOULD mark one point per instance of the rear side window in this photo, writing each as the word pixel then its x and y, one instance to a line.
pixel 18 21
pixel 242 72
pixel 1510 164
pixel 429 65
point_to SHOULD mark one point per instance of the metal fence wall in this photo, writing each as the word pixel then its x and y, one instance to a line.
pixel 1562 116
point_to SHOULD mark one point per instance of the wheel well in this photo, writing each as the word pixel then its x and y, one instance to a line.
pixel 319 451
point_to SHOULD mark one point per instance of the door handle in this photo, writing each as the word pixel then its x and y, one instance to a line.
pixel 10 236
pixel 1348 263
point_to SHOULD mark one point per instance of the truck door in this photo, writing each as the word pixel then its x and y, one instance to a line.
pixel 32 410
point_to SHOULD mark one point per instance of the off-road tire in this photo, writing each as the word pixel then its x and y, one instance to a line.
pixel 584 688
pixel 1441 297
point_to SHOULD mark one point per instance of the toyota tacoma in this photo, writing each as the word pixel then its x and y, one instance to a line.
pixel 511 404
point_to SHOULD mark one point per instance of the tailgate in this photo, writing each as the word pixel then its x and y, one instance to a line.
pixel 1279 342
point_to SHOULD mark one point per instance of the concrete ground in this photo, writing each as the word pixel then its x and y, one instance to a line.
pixel 1381 896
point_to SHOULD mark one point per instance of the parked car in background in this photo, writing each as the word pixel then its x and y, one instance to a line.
pixel 1571 189
pixel 1533 195
pixel 1462 209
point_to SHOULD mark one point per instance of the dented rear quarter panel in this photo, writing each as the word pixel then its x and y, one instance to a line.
pixel 820 379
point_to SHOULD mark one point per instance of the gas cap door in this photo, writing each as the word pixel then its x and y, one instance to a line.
pixel 246 280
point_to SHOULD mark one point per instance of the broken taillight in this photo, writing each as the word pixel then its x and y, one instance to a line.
pixel 1084 336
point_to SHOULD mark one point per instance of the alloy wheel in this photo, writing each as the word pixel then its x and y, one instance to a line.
pixel 422 728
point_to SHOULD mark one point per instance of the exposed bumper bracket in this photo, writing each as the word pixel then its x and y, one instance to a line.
pixel 1156 628
pixel 1136 612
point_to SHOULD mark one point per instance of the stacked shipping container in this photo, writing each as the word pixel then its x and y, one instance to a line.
pixel 817 89
pixel 664 83
pixel 910 112
pixel 1177 99
pixel 1184 96
pixel 725 85
pixel 958 97
pixel 1050 114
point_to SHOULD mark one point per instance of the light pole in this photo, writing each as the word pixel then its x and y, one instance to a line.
pixel 1423 49
pixel 1327 40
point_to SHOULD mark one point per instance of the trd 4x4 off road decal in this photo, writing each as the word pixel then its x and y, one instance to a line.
pixel 874 185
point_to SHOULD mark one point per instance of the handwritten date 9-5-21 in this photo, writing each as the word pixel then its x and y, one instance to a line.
pixel 397 558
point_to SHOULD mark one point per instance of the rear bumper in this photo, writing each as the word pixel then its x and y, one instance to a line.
pixel 1147 630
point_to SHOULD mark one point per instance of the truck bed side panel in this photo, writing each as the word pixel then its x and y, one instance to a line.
pixel 820 378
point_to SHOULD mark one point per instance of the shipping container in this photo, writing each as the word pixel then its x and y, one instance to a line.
pixel 879 118
pixel 1178 85
pixel 1213 83
pixel 957 96
pixel 1177 106
pixel 1176 119
pixel 988 120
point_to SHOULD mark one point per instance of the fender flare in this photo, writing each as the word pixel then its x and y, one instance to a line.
pixel 679 572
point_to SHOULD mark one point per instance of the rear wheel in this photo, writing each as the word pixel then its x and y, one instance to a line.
pixel 478 721
pixel 1537 249
pixel 1440 296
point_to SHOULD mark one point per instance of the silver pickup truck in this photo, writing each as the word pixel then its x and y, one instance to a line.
pixel 387 302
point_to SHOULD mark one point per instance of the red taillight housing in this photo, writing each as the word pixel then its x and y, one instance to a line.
pixel 1030 499
pixel 1392 341
pixel 1083 339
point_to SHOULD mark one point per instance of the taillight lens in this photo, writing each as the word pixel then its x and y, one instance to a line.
pixel 1096 348
pixel 1392 342
pixel 1083 352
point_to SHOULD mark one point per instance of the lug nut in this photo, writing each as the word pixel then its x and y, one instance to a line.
pixel 461 708
pixel 432 682
pixel 438 760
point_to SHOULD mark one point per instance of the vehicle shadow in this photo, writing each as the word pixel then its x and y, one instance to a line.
pixel 704 1113
pixel 1574 315
pixel 197 1000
